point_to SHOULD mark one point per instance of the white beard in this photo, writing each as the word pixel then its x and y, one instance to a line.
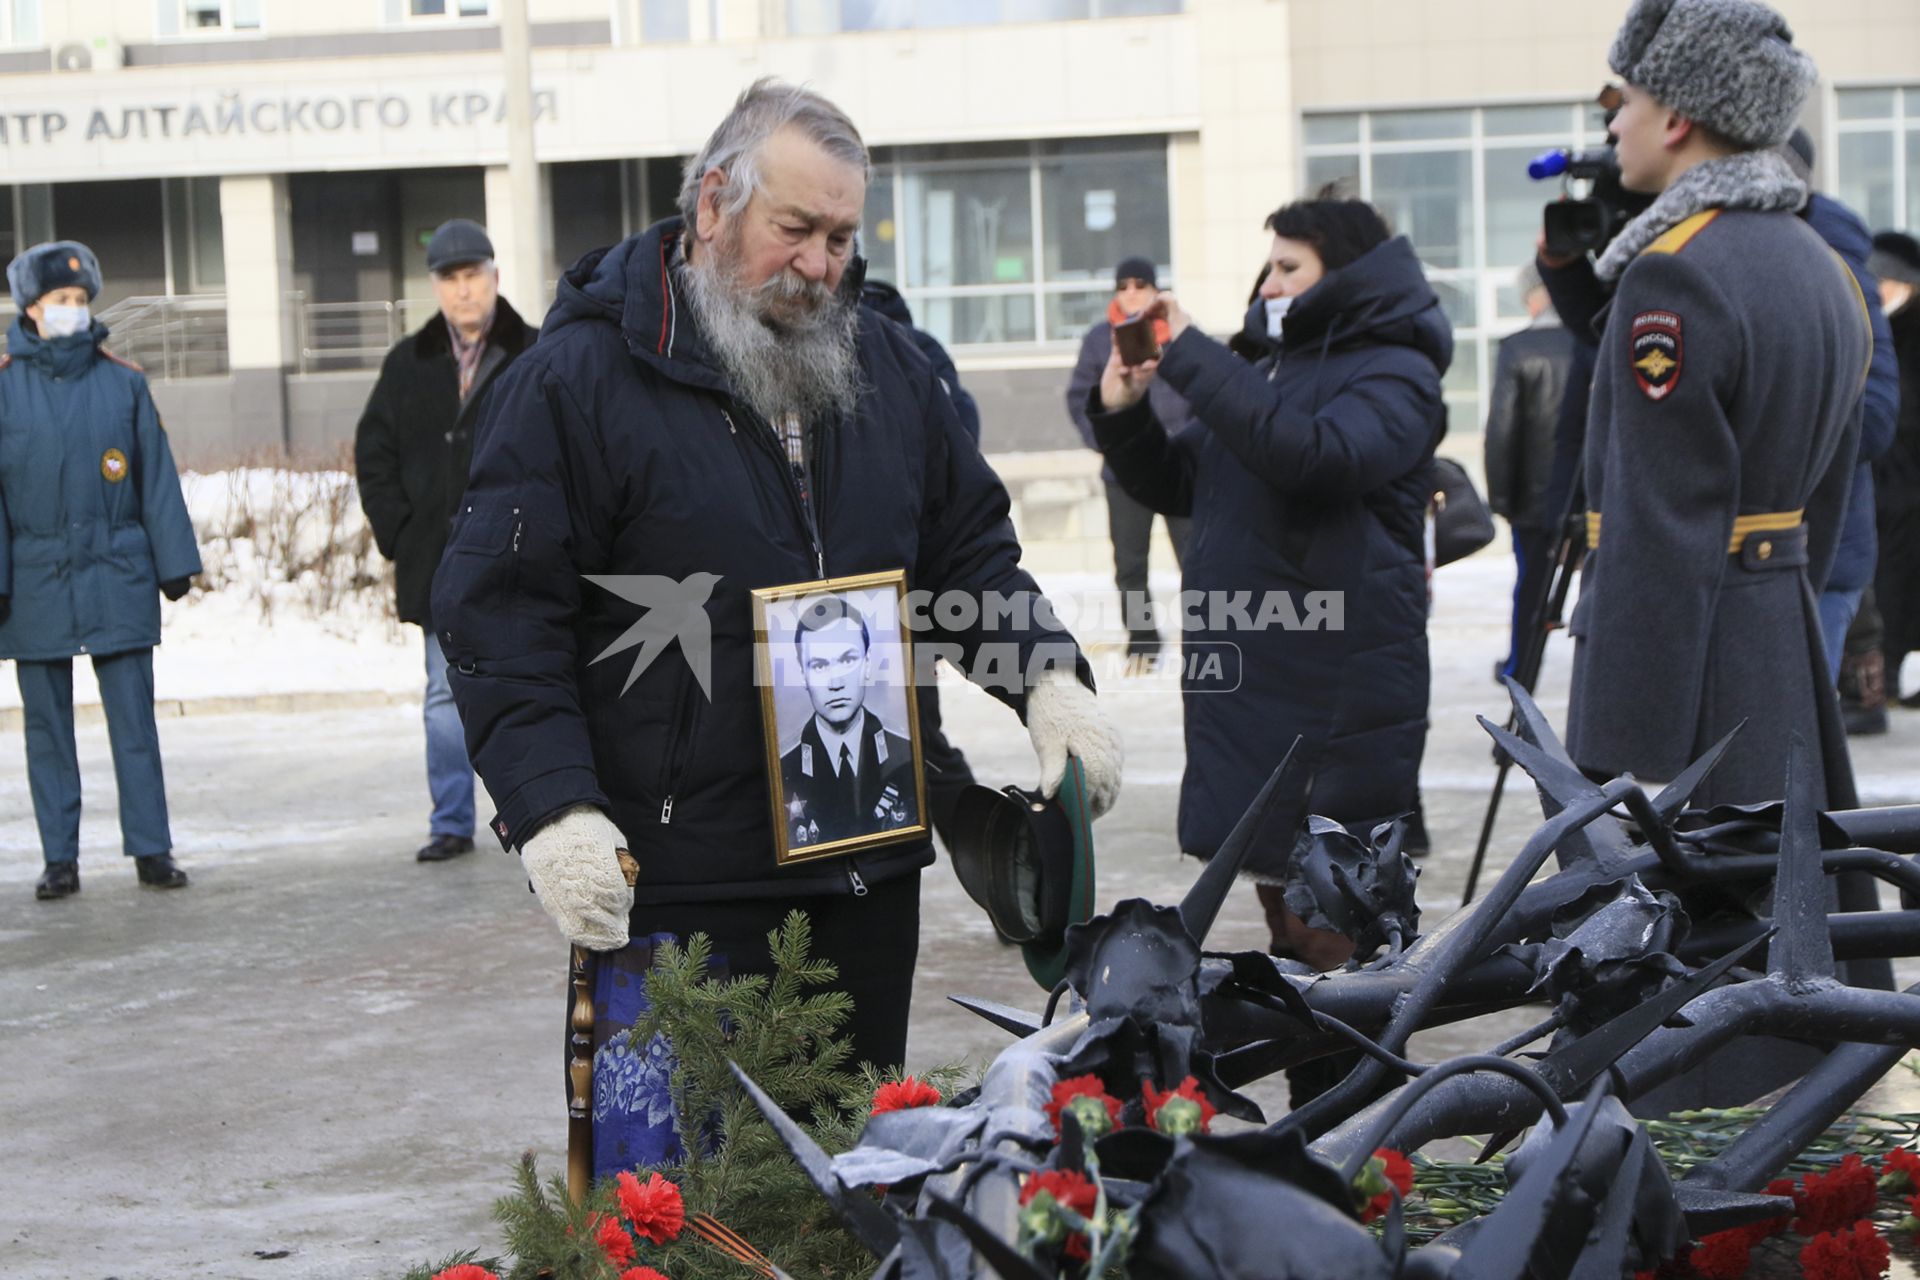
pixel 788 346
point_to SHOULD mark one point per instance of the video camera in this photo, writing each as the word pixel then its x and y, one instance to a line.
pixel 1576 227
pixel 1582 226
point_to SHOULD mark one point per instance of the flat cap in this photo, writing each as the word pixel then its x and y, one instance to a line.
pixel 457 242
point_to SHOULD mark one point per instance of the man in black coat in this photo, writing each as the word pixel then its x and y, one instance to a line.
pixel 1529 383
pixel 709 412
pixel 411 451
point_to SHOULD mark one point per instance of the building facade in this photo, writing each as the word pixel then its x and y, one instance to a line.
pixel 259 176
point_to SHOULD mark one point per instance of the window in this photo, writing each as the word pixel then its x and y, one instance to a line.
pixel 19 24
pixel 1877 155
pixel 1014 245
pixel 827 17
pixel 196 245
pixel 196 18
pixel 449 8
pixel 1454 182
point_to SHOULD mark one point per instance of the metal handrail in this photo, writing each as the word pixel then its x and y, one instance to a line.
pixel 338 336
pixel 170 336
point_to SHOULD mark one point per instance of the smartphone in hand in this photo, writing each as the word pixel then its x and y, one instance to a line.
pixel 1135 341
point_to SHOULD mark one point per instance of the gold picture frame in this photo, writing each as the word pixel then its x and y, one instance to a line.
pixel 839 777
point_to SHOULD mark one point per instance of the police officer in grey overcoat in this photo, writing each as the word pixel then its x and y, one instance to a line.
pixel 1724 420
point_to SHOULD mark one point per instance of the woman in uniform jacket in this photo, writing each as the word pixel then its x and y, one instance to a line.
pixel 93 529
pixel 1304 474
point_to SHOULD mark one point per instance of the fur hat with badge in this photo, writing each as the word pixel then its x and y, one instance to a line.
pixel 56 264
pixel 1729 65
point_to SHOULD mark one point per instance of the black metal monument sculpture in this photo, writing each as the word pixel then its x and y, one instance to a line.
pixel 1640 994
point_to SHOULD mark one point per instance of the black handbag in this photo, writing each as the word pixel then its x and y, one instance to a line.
pixel 1461 522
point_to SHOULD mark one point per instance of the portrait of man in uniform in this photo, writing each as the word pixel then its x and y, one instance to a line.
pixel 840 719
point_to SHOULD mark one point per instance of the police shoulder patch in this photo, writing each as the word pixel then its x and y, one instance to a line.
pixel 1656 351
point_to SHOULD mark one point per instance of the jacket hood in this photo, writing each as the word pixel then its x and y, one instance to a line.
pixel 1381 296
pixel 631 287
pixel 64 356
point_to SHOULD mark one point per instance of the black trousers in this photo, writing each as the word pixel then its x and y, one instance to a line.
pixel 873 940
pixel 1130 525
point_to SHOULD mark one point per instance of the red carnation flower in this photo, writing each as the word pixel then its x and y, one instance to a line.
pixel 641 1273
pixel 904 1095
pixel 1088 1086
pixel 1857 1253
pixel 1190 1112
pixel 1070 1190
pixel 1724 1255
pixel 466 1271
pixel 1386 1174
pixel 1836 1199
pixel 614 1241
pixel 1900 1168
pixel 656 1209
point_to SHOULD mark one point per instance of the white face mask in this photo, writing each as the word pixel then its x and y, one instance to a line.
pixel 59 322
pixel 1276 315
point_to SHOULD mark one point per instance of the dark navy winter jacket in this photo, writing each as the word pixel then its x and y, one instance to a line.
pixel 613 447
pixel 1303 474
pixel 91 516
pixel 1854 558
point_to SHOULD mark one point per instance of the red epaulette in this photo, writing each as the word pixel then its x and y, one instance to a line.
pixel 122 360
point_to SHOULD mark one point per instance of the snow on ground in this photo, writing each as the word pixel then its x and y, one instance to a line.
pixel 294 598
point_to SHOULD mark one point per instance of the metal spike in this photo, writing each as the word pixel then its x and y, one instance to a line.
pixel 1005 1016
pixel 1560 784
pixel 1802 956
pixel 1574 1066
pixel 866 1219
pixel 1675 795
pixel 1201 906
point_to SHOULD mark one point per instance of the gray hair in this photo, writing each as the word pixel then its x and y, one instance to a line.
pixel 768 106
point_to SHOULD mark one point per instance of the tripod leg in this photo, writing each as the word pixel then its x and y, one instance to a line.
pixel 1486 828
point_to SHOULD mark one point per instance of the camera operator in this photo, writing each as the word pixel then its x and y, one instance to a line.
pixel 1724 419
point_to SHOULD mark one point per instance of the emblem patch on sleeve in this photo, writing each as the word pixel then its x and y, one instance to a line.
pixel 1657 353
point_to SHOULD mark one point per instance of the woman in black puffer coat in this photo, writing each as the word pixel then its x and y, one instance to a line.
pixel 1304 473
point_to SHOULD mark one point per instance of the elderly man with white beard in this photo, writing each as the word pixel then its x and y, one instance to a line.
pixel 708 402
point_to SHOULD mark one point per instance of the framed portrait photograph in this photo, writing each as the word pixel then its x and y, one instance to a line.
pixel 839 716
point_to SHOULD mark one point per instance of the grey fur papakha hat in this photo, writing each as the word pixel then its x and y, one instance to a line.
pixel 1727 64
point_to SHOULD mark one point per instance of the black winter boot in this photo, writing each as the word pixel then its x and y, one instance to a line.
pixel 59 880
pixel 160 872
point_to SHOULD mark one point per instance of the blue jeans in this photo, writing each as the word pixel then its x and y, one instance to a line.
pixel 449 772
pixel 53 761
pixel 1836 615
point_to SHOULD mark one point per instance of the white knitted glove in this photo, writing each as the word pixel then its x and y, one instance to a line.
pixel 1063 719
pixel 576 874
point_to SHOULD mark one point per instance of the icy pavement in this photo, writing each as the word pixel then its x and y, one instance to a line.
pixel 326 1048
